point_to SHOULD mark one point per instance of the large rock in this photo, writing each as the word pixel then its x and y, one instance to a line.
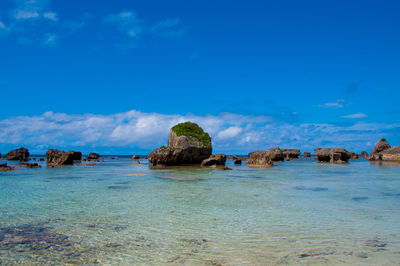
pixel 57 157
pixel 93 156
pixel 332 155
pixel 265 159
pixel 307 154
pixel 392 154
pixel 364 154
pixel 291 154
pixel 21 154
pixel 217 159
pixel 381 146
pixel 187 144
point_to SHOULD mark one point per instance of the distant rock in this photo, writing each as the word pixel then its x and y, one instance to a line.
pixel 307 154
pixel 353 155
pixel 216 159
pixel 187 144
pixel 135 157
pixel 291 154
pixel 32 165
pixel 380 147
pixel 4 167
pixel 220 167
pixel 233 157
pixel 238 162
pixel 21 154
pixel 93 156
pixel 392 154
pixel 364 154
pixel 332 155
pixel 57 157
pixel 260 159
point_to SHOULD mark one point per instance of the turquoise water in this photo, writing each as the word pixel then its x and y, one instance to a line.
pixel 298 212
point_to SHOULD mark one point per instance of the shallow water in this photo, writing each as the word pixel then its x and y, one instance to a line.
pixel 299 212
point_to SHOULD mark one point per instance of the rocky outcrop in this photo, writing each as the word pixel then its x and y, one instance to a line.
pixel 93 156
pixel 392 154
pixel 381 146
pixel 291 154
pixel 58 158
pixel 364 154
pixel 353 155
pixel 332 155
pixel 135 157
pixel 4 167
pixel 238 162
pixel 32 165
pixel 187 144
pixel 307 154
pixel 266 158
pixel 21 154
pixel 216 159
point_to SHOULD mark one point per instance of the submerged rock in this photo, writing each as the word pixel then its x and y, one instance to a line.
pixel 238 162
pixel 57 157
pixel 332 155
pixel 93 156
pixel 307 154
pixel 187 144
pixel 32 165
pixel 291 154
pixel 216 159
pixel 364 154
pixel 21 154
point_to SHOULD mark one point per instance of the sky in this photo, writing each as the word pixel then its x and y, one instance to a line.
pixel 115 76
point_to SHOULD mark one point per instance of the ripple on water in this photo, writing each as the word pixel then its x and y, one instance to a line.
pixel 311 188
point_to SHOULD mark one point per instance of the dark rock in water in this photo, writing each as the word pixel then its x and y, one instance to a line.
pixel 359 198
pixel 375 243
pixel 187 144
pixel 265 159
pixel 220 167
pixel 118 187
pixel 364 154
pixel 93 156
pixel 332 155
pixel 238 162
pixel 390 194
pixel 32 237
pixel 41 159
pixel 311 188
pixel 216 159
pixel 291 154
pixel 381 146
pixel 135 157
pixel 32 165
pixel 307 154
pixel 57 157
pixel 353 155
pixel 4 167
pixel 21 154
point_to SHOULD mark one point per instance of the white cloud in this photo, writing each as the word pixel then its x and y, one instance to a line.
pixel 126 22
pixel 50 40
pixel 26 14
pixel 338 104
pixel 354 116
pixel 230 132
pixel 50 15
pixel 169 28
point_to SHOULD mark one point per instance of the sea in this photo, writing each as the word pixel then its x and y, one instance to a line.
pixel 118 212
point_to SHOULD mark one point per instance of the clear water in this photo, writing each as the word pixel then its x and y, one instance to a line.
pixel 298 212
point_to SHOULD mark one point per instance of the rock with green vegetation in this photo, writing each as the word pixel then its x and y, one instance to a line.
pixel 187 144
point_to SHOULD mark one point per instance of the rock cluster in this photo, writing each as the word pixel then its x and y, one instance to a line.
pixel 57 157
pixel 187 144
pixel 364 154
pixel 291 154
pixel 215 159
pixel 307 154
pixel 21 154
pixel 4 167
pixel 332 155
pixel 93 156
pixel 353 155
pixel 384 152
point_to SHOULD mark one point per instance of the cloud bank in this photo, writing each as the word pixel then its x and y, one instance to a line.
pixel 135 130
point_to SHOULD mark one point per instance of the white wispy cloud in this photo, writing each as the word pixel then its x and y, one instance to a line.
pixel 50 40
pixel 126 22
pixel 50 15
pixel 338 104
pixel 354 116
pixel 169 28
pixel 229 131
pixel 32 9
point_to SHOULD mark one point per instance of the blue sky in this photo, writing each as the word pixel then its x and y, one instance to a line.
pixel 113 76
